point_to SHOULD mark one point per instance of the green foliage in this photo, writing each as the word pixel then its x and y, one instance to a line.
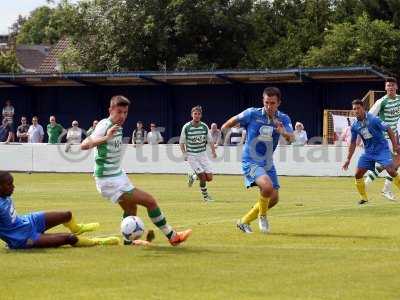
pixel 121 35
pixel 47 25
pixel 365 42
pixel 8 62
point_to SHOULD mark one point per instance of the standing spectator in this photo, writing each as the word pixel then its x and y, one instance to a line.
pixel 91 129
pixel 154 137
pixel 300 135
pixel 54 131
pixel 235 136
pixel 8 113
pixel 216 134
pixel 139 135
pixel 74 135
pixel 35 132
pixel 22 131
pixel 5 132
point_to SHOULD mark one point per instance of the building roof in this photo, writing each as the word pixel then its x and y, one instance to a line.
pixel 50 64
pixel 31 57
pixel 293 75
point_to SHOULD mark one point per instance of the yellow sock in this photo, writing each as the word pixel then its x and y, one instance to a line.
pixel 251 215
pixel 85 242
pixel 396 180
pixel 360 184
pixel 72 225
pixel 263 204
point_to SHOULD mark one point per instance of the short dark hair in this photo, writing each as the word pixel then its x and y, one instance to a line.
pixel 4 175
pixel 391 79
pixel 139 122
pixel 119 100
pixel 197 108
pixel 357 102
pixel 273 91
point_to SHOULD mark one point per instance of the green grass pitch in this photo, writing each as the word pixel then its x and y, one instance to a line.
pixel 322 245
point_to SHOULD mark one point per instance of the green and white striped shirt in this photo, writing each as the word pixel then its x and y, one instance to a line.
pixel 108 155
pixel 195 137
pixel 388 110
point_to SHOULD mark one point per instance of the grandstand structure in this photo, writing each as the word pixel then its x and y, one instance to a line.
pixel 166 97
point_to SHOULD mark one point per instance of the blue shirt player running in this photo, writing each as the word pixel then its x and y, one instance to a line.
pixel 28 231
pixel 264 127
pixel 371 130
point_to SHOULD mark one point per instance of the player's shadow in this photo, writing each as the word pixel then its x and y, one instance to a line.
pixel 327 235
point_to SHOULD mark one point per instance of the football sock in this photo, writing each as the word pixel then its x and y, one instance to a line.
pixel 251 215
pixel 263 204
pixel 158 219
pixel 372 175
pixel 85 242
pixel 360 184
pixel 388 183
pixel 72 225
pixel 203 189
pixel 396 181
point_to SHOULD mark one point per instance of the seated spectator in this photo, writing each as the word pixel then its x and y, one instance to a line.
pixel 139 135
pixel 54 131
pixel 91 129
pixel 5 132
pixel 235 136
pixel 22 131
pixel 8 113
pixel 154 137
pixel 216 134
pixel 300 135
pixel 35 132
pixel 74 135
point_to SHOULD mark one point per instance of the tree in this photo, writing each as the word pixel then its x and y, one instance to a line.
pixel 8 62
pixel 365 42
pixel 47 25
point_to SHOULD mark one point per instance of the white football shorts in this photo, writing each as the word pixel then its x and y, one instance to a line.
pixel 200 163
pixel 113 188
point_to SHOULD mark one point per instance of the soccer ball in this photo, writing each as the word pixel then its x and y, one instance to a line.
pixel 132 228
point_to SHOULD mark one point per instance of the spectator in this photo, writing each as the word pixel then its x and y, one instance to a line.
pixel 91 129
pixel 54 131
pixel 8 113
pixel 35 132
pixel 235 136
pixel 22 131
pixel 5 132
pixel 154 137
pixel 74 135
pixel 300 135
pixel 216 134
pixel 139 135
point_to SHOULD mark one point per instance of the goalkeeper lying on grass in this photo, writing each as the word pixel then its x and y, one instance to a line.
pixel 28 231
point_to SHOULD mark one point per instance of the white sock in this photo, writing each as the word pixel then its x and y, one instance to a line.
pixel 387 187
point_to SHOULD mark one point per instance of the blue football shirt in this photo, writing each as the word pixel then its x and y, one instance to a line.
pixel 262 137
pixel 14 229
pixel 371 130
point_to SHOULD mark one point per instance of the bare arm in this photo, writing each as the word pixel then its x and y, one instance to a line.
pixel 91 142
pixel 352 148
pixel 229 124
pixel 288 136
pixel 183 148
pixel 243 138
